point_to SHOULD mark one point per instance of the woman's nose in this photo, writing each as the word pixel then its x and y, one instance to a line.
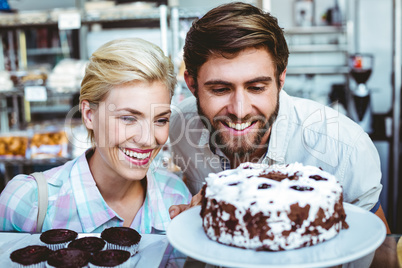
pixel 145 135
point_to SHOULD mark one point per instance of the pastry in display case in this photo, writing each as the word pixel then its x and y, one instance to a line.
pixel 48 144
pixel 6 83
pixel 67 75
pixel 13 145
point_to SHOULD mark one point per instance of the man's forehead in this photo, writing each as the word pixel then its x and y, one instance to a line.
pixel 246 65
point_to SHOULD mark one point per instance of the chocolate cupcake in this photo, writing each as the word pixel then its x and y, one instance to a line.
pixel 123 238
pixel 110 258
pixel 68 257
pixel 57 238
pixel 90 243
pixel 30 256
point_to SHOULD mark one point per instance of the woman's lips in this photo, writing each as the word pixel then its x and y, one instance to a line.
pixel 137 156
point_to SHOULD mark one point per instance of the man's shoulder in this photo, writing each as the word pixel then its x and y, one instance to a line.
pixel 319 117
pixel 185 121
pixel 184 108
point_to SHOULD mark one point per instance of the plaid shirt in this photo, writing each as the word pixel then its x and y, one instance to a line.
pixel 75 202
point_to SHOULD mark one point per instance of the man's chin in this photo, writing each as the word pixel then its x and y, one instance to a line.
pixel 231 149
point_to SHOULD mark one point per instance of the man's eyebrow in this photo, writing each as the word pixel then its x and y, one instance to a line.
pixel 260 79
pixel 217 82
pixel 254 80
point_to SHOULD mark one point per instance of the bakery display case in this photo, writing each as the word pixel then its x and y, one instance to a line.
pixel 44 54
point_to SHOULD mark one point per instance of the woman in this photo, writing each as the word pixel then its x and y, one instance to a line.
pixel 125 104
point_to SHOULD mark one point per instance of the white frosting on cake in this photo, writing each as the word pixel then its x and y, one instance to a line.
pixel 240 188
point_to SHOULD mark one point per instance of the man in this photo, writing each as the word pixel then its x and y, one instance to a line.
pixel 236 58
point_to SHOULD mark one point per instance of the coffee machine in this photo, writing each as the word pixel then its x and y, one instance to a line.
pixel 359 106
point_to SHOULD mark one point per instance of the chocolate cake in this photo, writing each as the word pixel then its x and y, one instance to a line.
pixel 123 238
pixel 30 255
pixel 89 243
pixel 110 258
pixel 68 257
pixel 57 238
pixel 272 207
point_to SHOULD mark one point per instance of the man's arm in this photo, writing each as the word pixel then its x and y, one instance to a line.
pixel 380 214
pixel 177 209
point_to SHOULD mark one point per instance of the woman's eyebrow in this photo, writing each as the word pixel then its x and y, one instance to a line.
pixel 130 110
pixel 136 112
pixel 164 113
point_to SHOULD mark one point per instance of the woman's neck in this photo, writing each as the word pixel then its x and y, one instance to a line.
pixel 124 196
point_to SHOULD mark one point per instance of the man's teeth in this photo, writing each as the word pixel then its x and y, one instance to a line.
pixel 136 155
pixel 241 126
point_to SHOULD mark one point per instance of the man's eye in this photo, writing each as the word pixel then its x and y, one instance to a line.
pixel 220 90
pixel 162 122
pixel 257 89
pixel 128 119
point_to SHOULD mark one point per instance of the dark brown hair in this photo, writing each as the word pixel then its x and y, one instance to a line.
pixel 230 28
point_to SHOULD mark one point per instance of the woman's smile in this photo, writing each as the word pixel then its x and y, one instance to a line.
pixel 137 156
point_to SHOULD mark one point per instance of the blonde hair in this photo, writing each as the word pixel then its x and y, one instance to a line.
pixel 124 61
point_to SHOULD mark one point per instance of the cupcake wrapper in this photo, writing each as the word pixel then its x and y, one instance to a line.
pixel 55 247
pixel 51 266
pixel 36 265
pixel 132 249
pixel 126 264
pixel 104 247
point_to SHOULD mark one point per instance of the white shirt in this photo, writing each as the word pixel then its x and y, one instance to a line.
pixel 304 131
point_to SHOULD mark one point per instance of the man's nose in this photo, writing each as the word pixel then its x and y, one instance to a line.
pixel 240 104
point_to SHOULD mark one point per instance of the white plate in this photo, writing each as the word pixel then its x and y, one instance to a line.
pixel 365 234
pixel 150 252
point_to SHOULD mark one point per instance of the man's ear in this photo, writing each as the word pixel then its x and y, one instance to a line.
pixel 190 82
pixel 87 114
pixel 282 78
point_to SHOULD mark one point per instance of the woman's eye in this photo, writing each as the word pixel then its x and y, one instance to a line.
pixel 162 121
pixel 128 119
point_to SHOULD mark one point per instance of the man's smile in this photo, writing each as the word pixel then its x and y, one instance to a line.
pixel 238 126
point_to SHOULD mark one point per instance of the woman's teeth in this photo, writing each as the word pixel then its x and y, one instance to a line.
pixel 132 154
pixel 241 126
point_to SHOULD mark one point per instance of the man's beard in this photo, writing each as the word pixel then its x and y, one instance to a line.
pixel 241 147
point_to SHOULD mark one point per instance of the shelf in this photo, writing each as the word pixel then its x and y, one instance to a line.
pixel 320 46
pixel 191 13
pixel 327 70
pixel 25 161
pixel 46 18
pixel 317 48
pixel 315 30
pixel 12 92
pixel 44 51
pixel 64 109
pixel 59 92
pixel 118 15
